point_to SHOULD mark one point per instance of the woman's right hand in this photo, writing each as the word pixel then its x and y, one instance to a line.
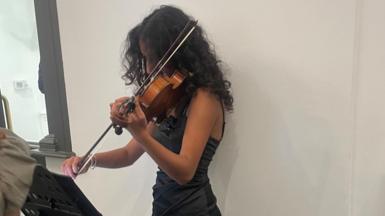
pixel 70 166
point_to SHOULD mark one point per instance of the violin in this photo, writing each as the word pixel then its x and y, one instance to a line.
pixel 160 91
pixel 163 93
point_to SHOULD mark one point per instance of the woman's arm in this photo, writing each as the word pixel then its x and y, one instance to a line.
pixel 203 114
pixel 117 158
pixel 120 157
pixel 124 156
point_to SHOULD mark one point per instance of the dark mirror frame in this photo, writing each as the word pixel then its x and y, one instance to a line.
pixel 2 113
pixel 58 142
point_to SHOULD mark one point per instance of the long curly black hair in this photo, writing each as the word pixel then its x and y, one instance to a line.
pixel 157 31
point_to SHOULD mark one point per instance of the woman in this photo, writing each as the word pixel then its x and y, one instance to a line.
pixel 184 143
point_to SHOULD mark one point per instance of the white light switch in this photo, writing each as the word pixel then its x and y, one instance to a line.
pixel 20 84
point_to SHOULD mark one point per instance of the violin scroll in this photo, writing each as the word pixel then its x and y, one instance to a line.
pixel 128 106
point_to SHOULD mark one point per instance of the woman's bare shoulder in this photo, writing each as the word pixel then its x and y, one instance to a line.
pixel 204 97
pixel 206 103
pixel 204 94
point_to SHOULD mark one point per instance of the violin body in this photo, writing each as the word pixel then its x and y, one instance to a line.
pixel 161 94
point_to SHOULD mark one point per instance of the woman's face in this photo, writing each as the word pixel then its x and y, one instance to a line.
pixel 148 62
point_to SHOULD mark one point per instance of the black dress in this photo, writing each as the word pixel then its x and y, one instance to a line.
pixel 194 198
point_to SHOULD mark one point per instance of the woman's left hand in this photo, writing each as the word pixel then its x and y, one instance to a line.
pixel 134 122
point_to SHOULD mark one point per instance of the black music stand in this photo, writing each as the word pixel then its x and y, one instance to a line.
pixel 56 195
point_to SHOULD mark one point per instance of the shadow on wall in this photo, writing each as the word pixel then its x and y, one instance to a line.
pixel 221 169
pixel 146 190
pixel 223 164
pixel 278 150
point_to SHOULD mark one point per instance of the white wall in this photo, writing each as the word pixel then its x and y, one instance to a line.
pixel 369 171
pixel 307 84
